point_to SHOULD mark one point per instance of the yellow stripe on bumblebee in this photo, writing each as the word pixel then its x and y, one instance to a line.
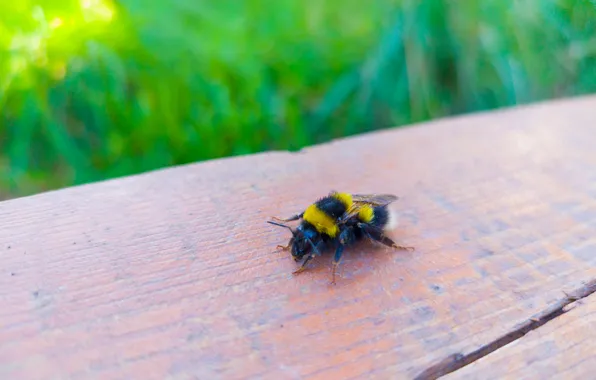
pixel 366 213
pixel 344 198
pixel 320 220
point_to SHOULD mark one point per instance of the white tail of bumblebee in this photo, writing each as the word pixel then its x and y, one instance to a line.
pixel 393 220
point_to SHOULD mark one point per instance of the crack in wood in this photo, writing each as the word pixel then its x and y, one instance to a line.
pixel 457 361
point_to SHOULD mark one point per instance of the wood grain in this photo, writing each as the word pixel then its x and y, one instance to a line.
pixel 564 348
pixel 174 273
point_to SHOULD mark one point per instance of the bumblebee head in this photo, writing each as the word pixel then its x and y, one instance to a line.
pixel 302 242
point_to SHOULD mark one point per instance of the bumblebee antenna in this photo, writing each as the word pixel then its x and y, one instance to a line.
pixel 282 225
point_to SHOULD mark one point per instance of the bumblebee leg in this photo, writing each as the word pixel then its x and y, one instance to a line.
pixel 316 250
pixel 390 243
pixel 393 245
pixel 303 266
pixel 283 247
pixel 336 259
pixel 379 237
pixel 290 219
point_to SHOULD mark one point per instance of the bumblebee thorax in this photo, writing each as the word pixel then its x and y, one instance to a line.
pixel 320 220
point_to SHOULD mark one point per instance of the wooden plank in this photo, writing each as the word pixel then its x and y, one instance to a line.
pixel 457 361
pixel 565 348
pixel 174 273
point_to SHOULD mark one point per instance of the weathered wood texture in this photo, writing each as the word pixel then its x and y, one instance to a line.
pixel 174 274
pixel 565 348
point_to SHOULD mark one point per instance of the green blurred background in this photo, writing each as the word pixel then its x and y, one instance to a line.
pixel 94 89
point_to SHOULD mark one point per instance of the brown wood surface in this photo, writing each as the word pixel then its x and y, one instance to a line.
pixel 174 273
pixel 565 348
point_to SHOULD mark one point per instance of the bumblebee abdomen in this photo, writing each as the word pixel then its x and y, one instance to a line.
pixel 366 214
pixel 376 216
pixel 381 217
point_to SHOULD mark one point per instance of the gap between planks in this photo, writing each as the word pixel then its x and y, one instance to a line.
pixel 457 361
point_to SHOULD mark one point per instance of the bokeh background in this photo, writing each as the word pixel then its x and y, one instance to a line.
pixel 96 89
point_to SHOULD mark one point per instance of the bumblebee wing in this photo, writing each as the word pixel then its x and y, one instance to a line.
pixel 374 199
pixel 360 200
pixel 351 213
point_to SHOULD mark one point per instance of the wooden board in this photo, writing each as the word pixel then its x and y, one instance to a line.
pixel 174 274
pixel 564 348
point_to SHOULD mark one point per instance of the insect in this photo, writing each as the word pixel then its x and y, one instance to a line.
pixel 339 220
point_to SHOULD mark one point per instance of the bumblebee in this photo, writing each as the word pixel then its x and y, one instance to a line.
pixel 339 220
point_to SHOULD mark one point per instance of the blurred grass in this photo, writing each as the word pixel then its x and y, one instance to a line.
pixel 93 89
